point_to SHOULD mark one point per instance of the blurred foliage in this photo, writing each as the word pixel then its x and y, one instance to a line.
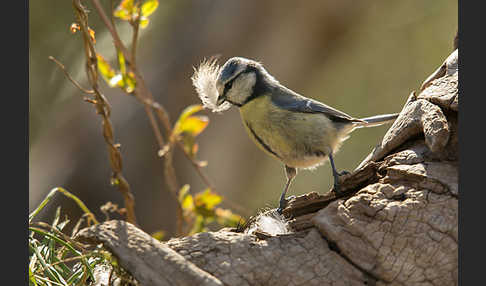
pixel 128 10
pixel 51 250
pixel 126 81
pixel 187 127
pixel 200 210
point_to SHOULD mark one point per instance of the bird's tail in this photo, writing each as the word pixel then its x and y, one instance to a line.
pixel 376 120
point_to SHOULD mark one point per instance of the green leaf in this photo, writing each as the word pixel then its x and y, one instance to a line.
pixel 130 82
pixel 188 203
pixel 125 81
pixel 186 200
pixel 149 7
pixel 207 199
pixel 104 67
pixel 125 10
pixel 187 127
pixel 122 14
pixel 107 72
pixel 121 62
pixel 193 125
pixel 190 110
pixel 127 5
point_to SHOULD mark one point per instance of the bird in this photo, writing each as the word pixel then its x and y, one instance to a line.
pixel 298 131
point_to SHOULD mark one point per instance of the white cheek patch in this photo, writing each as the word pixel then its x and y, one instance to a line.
pixel 204 80
pixel 246 82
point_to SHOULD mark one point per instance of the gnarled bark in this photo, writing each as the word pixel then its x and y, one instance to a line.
pixel 394 223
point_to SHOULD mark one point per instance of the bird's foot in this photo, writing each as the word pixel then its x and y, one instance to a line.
pixel 344 172
pixel 336 189
pixel 337 175
pixel 283 203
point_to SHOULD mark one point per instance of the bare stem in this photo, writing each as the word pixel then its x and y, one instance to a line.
pixel 162 113
pixel 143 94
pixel 196 166
pixel 136 28
pixel 68 76
pixel 116 38
pixel 103 108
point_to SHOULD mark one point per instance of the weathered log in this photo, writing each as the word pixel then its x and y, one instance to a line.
pixel 148 260
pixel 394 223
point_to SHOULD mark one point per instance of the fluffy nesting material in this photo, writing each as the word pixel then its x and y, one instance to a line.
pixel 270 222
pixel 204 80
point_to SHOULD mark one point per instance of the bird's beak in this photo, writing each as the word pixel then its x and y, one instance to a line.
pixel 221 98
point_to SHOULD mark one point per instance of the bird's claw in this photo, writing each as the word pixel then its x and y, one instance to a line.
pixel 344 172
pixel 336 189
pixel 336 179
pixel 283 203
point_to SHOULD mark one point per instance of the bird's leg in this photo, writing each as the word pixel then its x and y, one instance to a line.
pixel 336 174
pixel 290 173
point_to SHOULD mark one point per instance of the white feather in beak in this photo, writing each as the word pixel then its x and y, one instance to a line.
pixel 204 80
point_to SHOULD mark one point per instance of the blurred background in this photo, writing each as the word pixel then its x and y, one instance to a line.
pixel 361 57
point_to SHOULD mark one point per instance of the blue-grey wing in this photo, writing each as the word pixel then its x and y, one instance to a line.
pixel 289 100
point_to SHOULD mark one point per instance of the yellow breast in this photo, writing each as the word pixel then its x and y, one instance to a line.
pixel 300 140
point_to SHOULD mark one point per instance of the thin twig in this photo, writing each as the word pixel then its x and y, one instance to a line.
pixel 161 113
pixel 114 34
pixel 142 93
pixel 162 117
pixel 129 58
pixel 112 10
pixel 196 166
pixel 103 108
pixel 136 28
pixel 68 76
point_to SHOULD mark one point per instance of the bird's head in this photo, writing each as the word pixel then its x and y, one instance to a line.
pixel 236 82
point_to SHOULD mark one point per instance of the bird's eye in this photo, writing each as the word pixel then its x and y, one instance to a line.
pixel 229 84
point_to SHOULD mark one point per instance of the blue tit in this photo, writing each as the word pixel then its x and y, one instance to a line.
pixel 300 132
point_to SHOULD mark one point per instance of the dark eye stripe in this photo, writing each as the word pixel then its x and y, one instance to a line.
pixel 228 85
